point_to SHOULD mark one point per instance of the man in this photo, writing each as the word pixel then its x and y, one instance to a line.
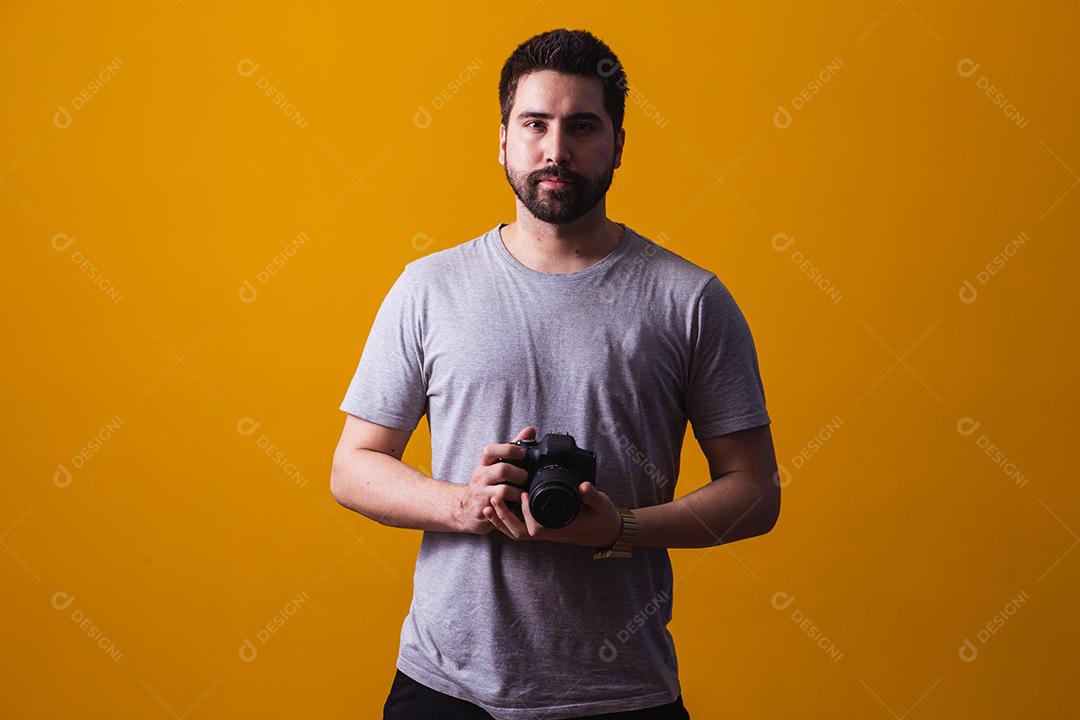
pixel 561 321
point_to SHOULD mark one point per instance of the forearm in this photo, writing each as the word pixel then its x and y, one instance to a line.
pixel 389 491
pixel 731 507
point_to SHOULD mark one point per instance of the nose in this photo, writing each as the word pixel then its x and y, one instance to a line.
pixel 557 146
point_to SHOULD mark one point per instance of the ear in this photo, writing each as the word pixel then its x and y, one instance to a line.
pixel 620 140
pixel 502 144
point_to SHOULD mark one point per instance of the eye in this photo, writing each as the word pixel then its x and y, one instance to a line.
pixel 586 126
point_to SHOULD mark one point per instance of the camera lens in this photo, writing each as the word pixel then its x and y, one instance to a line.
pixel 553 496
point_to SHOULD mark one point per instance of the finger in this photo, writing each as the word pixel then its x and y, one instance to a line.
pixel 508 493
pixel 526 433
pixel 494 452
pixel 530 522
pixel 489 513
pixel 503 474
pixel 590 495
pixel 512 523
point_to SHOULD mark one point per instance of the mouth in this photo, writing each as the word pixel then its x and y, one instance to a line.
pixel 555 183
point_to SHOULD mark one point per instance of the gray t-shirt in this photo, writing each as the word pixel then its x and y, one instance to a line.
pixel 620 355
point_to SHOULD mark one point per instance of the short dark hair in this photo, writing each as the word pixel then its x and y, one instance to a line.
pixel 575 52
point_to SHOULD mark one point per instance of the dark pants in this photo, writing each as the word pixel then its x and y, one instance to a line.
pixel 410 700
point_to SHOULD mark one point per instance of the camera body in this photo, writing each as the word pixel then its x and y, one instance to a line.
pixel 556 466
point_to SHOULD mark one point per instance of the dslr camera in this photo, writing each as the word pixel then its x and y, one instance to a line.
pixel 556 466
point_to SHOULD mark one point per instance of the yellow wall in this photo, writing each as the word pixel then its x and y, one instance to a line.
pixel 149 179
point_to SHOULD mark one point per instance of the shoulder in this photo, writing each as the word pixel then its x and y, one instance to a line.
pixel 671 270
pixel 443 269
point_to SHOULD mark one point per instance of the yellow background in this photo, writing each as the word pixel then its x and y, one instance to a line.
pixel 179 180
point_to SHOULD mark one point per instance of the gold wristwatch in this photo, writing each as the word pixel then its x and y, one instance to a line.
pixel 625 542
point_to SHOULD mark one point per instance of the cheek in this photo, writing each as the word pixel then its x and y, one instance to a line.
pixel 521 159
pixel 523 144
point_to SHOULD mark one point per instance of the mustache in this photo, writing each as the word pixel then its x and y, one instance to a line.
pixel 565 175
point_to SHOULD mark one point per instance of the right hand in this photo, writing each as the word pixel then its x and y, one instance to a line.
pixel 485 483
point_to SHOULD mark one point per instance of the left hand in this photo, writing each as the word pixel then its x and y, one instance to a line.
pixel 597 524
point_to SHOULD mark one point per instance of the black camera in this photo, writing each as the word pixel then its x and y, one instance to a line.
pixel 556 466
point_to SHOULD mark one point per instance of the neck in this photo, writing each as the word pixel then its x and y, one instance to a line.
pixel 561 249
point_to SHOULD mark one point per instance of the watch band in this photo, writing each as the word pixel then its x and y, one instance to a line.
pixel 625 541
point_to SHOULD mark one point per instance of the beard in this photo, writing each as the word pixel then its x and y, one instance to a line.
pixel 559 206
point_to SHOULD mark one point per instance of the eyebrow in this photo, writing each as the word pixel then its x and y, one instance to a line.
pixel 572 116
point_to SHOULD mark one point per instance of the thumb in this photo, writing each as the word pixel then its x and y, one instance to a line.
pixel 526 433
pixel 589 494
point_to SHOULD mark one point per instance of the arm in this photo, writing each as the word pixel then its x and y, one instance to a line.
pixel 741 501
pixel 369 477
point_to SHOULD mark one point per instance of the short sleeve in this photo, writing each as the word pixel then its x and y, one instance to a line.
pixel 724 389
pixel 389 386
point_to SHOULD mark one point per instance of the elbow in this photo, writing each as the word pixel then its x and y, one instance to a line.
pixel 769 521
pixel 770 500
pixel 341 489
pixel 336 489
pixel 766 508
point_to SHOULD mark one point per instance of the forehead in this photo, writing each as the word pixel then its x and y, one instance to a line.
pixel 559 93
